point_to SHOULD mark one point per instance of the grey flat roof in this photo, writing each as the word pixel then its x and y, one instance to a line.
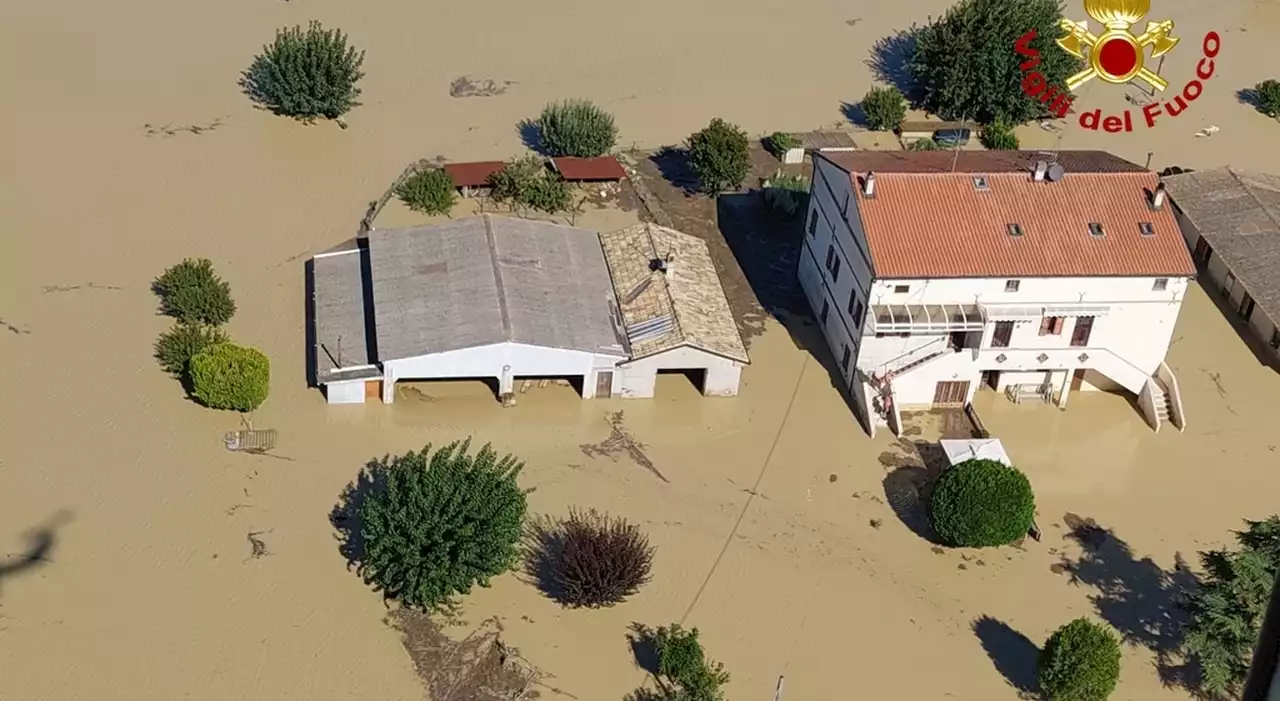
pixel 339 310
pixel 489 279
pixel 1238 213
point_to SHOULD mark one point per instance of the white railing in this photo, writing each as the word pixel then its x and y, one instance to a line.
pixel 935 346
pixel 1104 360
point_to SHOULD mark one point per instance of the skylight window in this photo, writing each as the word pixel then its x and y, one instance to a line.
pixel 1015 230
pixel 980 183
pixel 1095 230
pixel 1147 228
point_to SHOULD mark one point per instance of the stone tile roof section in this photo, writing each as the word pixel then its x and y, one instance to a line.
pixel 340 328
pixel 979 161
pixel 483 280
pixel 1238 212
pixel 935 224
pixel 688 295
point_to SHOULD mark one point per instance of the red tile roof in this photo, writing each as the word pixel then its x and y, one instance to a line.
pixel 472 174
pixel 979 161
pixel 592 169
pixel 939 225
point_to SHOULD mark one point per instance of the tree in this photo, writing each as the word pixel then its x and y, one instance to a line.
pixel 227 376
pixel 1080 662
pixel 999 136
pixel 923 145
pixel 526 183
pixel 981 503
pixel 779 142
pixel 964 65
pixel 590 559
pixel 176 347
pixel 429 191
pixel 576 128
pixel 549 194
pixel 1225 613
pixel 719 157
pixel 435 524
pixel 306 74
pixel 884 108
pixel 786 193
pixel 684 671
pixel 193 293
pixel 1267 97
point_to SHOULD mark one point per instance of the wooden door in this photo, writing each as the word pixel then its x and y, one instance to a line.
pixel 1077 379
pixel 604 384
pixel 373 389
pixel 1083 329
pixel 950 394
pixel 1203 252
pixel 1246 307
pixel 1002 335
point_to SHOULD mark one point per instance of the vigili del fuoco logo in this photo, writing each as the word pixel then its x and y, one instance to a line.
pixel 1117 56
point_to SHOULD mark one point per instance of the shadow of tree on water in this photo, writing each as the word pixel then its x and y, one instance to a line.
pixel 1012 653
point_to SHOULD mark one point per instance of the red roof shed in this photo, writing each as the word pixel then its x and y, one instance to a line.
pixel 602 169
pixel 472 174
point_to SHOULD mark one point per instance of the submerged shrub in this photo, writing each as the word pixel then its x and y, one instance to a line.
pixel 779 142
pixel 176 347
pixel 429 191
pixel 999 136
pixel 576 128
pixel 719 156
pixel 683 667
pixel 923 145
pixel 435 524
pixel 1267 96
pixel 786 193
pixel 306 74
pixel 526 183
pixel 227 376
pixel 1080 662
pixel 884 108
pixel 981 503
pixel 192 292
pixel 590 559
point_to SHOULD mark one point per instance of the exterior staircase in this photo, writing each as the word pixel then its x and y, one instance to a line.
pixel 885 408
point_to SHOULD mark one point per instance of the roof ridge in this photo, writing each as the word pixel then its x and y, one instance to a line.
pixel 503 310
pixel 666 284
pixel 1266 211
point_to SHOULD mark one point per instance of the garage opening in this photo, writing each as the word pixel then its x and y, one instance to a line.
pixel 447 389
pixel 544 384
pixel 680 379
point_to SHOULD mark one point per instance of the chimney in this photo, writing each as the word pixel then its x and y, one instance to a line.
pixel 657 265
pixel 869 185
pixel 1157 198
pixel 1041 169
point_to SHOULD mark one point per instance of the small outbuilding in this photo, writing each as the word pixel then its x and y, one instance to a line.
pixel 962 450
pixel 674 311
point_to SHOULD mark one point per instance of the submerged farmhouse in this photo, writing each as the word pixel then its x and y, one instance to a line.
pixel 935 275
pixel 491 297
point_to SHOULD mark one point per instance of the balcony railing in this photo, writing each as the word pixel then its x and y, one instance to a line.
pixel 927 318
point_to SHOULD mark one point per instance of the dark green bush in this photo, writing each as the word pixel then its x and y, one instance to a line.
pixel 683 668
pixel 435 524
pixel 999 136
pixel 548 194
pixel 526 183
pixel 884 108
pixel 779 142
pixel 576 128
pixel 981 503
pixel 923 145
pixel 429 191
pixel 192 292
pixel 719 156
pixel 1267 96
pixel 306 74
pixel 786 193
pixel 227 376
pixel 1080 662
pixel 175 347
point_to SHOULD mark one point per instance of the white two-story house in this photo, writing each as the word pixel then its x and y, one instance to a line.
pixel 932 273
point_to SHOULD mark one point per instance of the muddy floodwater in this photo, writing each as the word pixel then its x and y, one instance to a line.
pixel 144 561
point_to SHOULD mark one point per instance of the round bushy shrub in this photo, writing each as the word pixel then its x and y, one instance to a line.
pixel 884 108
pixel 923 145
pixel 306 74
pixel 1080 662
pixel 719 156
pixel 193 293
pixel 434 525
pixel 227 376
pixel 1267 96
pixel 683 666
pixel 176 347
pixel 981 503
pixel 590 559
pixel 429 191
pixel 779 142
pixel 999 136
pixel 576 128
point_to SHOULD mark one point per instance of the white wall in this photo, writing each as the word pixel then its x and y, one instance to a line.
pixel 488 361
pixel 636 379
pixel 351 392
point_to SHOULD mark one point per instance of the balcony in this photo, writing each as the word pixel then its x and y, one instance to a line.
pixel 927 318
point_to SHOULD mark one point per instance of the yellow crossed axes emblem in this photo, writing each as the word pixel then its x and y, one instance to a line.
pixel 1116 56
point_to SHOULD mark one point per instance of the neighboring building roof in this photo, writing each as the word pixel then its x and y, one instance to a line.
pixel 931 127
pixel 589 169
pixel 1238 212
pixel 684 306
pixel 340 324
pixel 472 174
pixel 826 140
pixel 979 161
pixel 925 221
pixel 488 279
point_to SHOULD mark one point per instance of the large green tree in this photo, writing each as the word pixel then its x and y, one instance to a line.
pixel 965 67
pixel 1226 612
pixel 435 524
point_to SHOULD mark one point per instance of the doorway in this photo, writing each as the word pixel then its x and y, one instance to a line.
pixel 1083 329
pixel 373 389
pixel 1203 252
pixel 1077 379
pixel 604 384
pixel 950 395
pixel 1246 307
pixel 991 379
